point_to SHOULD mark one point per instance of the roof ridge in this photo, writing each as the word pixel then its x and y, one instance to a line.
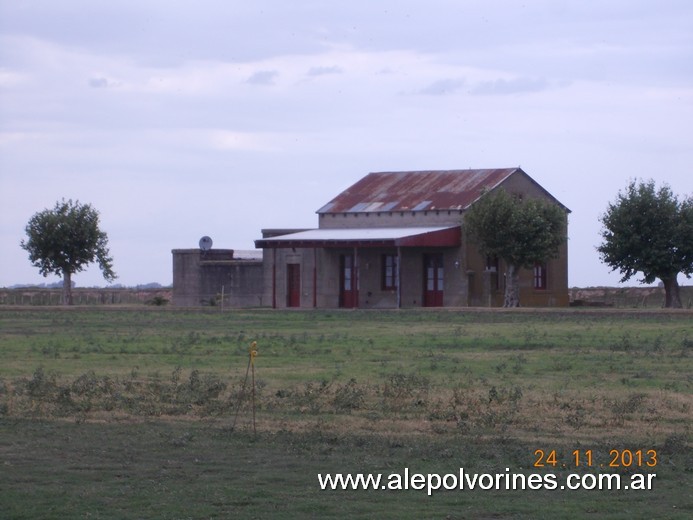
pixel 417 190
pixel 456 170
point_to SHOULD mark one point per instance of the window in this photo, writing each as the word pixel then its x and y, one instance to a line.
pixel 390 272
pixel 493 266
pixel 540 276
pixel 347 272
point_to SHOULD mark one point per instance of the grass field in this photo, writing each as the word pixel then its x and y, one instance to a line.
pixel 143 413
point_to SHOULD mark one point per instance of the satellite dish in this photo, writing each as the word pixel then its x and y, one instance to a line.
pixel 206 243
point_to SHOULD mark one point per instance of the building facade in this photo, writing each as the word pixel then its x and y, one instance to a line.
pixel 217 277
pixel 397 240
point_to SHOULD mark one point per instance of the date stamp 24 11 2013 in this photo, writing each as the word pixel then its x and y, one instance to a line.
pixel 587 459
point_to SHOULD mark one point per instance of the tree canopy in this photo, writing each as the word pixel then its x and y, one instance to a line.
pixel 649 231
pixel 65 240
pixel 521 231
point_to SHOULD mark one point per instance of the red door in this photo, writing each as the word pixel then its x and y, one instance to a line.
pixel 348 282
pixel 293 285
pixel 434 277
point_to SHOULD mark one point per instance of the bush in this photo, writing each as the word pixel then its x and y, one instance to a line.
pixel 158 301
pixel 349 397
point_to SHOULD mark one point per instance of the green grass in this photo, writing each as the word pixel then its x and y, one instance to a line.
pixel 192 470
pixel 127 413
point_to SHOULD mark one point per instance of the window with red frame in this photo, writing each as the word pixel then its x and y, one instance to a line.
pixel 390 273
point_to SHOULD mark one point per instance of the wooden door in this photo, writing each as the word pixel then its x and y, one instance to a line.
pixel 348 282
pixel 434 278
pixel 293 285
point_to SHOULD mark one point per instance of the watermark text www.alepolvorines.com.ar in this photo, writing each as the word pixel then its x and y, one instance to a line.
pixel 464 481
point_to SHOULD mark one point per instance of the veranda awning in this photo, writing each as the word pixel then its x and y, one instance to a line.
pixel 367 237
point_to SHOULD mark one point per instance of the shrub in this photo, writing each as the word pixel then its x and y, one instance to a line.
pixel 349 397
pixel 158 301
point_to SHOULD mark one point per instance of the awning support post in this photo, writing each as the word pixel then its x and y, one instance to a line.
pixel 399 277
pixel 274 277
pixel 357 274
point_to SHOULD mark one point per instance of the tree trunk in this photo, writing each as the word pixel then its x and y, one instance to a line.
pixel 512 287
pixel 673 297
pixel 67 288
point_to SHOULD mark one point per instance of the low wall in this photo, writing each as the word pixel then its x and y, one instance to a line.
pixel 216 277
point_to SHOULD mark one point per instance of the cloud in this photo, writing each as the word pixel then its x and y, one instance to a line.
pixel 99 83
pixel 243 141
pixel 443 87
pixel 502 87
pixel 9 78
pixel 263 77
pixel 323 71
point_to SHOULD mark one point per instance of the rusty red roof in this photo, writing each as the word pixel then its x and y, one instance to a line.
pixel 417 190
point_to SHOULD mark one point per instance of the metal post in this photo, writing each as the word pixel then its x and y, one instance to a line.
pixel 274 277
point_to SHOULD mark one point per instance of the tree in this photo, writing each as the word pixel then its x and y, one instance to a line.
pixel 64 240
pixel 520 231
pixel 649 231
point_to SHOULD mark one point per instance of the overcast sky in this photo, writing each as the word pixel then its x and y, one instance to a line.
pixel 222 117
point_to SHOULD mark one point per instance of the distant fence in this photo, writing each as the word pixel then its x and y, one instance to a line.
pixel 29 296
pixel 626 297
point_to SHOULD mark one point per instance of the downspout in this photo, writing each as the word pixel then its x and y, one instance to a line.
pixel 315 277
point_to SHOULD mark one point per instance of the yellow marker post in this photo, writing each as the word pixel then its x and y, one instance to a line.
pixel 252 354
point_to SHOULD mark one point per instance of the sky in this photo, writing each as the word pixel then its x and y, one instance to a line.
pixel 177 120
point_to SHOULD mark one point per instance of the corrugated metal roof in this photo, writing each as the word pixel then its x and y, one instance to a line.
pixel 417 190
pixel 247 254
